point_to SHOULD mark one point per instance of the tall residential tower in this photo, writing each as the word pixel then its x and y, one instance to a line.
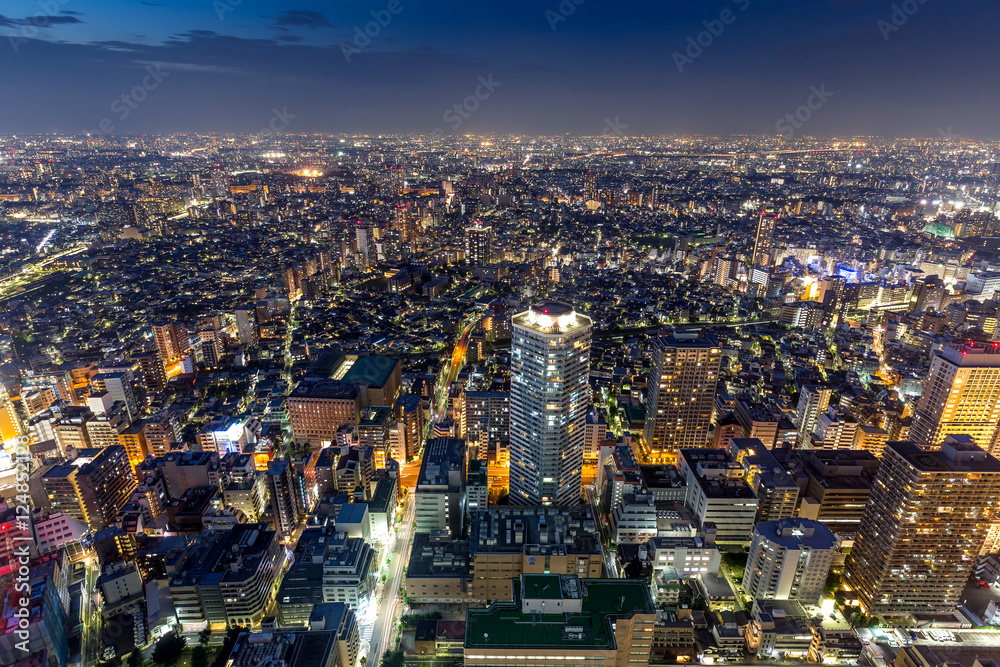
pixel 550 390
pixel 681 393
pixel 928 516
pixel 961 395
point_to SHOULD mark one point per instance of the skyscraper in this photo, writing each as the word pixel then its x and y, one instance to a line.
pixel 921 532
pixel 961 395
pixel 550 369
pixel 681 393
pixel 478 244
pixel 764 241
pixel 589 187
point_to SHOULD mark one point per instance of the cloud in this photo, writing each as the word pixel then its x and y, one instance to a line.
pixel 302 18
pixel 41 20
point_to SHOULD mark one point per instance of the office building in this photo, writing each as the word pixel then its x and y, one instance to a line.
pixel 438 571
pixel 440 490
pixel 317 410
pixel 378 378
pixel 717 493
pixel 681 393
pixel 561 618
pixel 332 640
pixel 550 390
pixel 923 528
pixel 961 395
pixel 329 567
pixel 789 560
pixel 505 542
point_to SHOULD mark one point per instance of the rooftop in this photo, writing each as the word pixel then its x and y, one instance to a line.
pixel 374 371
pixel 604 601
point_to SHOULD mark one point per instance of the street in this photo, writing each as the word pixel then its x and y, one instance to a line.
pixel 385 622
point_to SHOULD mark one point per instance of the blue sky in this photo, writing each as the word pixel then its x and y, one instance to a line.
pixel 230 64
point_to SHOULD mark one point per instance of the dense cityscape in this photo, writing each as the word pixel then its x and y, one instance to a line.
pixel 339 400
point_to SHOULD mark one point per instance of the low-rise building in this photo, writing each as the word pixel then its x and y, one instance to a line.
pixel 600 621
pixel 506 542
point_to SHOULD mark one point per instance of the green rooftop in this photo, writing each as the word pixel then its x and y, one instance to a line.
pixel 373 370
pixel 503 624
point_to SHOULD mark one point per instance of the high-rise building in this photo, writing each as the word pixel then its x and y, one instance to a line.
pixel 961 396
pixel 93 488
pixel 929 513
pixel 440 492
pixel 169 340
pixel 589 187
pixel 154 379
pixel 247 325
pixel 789 560
pixel 681 393
pixel 550 390
pixel 478 244
pixel 764 241
pixel 813 402
pixel 281 486
pixel 410 415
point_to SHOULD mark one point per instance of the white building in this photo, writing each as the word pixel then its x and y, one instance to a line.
pixel 717 493
pixel 550 390
pixel 789 560
pixel 690 556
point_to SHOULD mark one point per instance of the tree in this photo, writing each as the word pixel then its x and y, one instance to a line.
pixel 169 648
pixel 204 636
pixel 199 657
pixel 232 635
pixel 136 658
pixel 113 662
pixel 394 658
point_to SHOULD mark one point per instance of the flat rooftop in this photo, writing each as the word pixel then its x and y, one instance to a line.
pixel 503 625
pixel 374 371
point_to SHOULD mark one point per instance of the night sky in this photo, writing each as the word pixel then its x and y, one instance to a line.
pixel 885 68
